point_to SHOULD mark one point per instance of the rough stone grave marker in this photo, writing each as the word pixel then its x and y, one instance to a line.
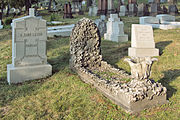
pixel 29 60
pixel 86 60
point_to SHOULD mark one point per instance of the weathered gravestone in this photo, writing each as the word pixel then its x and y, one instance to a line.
pixel 111 9
pixel 101 24
pixel 86 60
pixel 132 9
pixel 29 60
pixel 123 10
pixel 155 9
pixel 143 10
pixel 173 10
pixel 141 51
pixel 115 29
pixel 93 9
pixel 77 6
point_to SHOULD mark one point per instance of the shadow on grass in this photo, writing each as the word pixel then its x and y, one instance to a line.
pixel 112 52
pixel 60 62
pixel 161 46
pixel 169 76
pixel 9 93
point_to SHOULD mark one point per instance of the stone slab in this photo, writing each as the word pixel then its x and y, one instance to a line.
pixel 165 18
pixel 65 33
pixel 166 25
pixel 115 38
pixel 22 74
pixel 143 52
pixel 148 20
pixel 124 99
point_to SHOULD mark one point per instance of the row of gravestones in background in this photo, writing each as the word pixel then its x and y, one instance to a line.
pixel 29 61
pixel 132 9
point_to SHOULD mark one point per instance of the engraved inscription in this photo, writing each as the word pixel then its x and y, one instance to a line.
pixel 30 34
pixel 144 34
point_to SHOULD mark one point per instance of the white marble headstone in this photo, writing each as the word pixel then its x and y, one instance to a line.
pixel 29 60
pixel 142 41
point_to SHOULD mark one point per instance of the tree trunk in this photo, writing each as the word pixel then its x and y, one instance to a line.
pixel 2 10
pixel 49 7
pixel 7 14
pixel 28 5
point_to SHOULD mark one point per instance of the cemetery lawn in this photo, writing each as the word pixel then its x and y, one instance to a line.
pixel 64 96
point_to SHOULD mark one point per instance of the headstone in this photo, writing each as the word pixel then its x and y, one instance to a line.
pixel 155 9
pixel 77 6
pixel 148 20
pixel 115 29
pixel 86 60
pixel 132 9
pixel 111 9
pixel 67 10
pixel 173 10
pixel 123 10
pixel 93 9
pixel 163 1
pixel 142 42
pixel 29 60
pixel 88 4
pixel 1 26
pixel 151 1
pixel 143 10
pixel 165 18
pixel 101 24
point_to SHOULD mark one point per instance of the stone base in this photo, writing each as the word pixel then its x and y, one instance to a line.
pixel 143 52
pixel 1 26
pixel 124 99
pixel 116 38
pixel 21 74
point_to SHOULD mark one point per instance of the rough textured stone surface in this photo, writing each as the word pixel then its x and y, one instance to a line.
pixel 29 36
pixel 86 60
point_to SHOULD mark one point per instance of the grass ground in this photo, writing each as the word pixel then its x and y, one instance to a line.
pixel 65 96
